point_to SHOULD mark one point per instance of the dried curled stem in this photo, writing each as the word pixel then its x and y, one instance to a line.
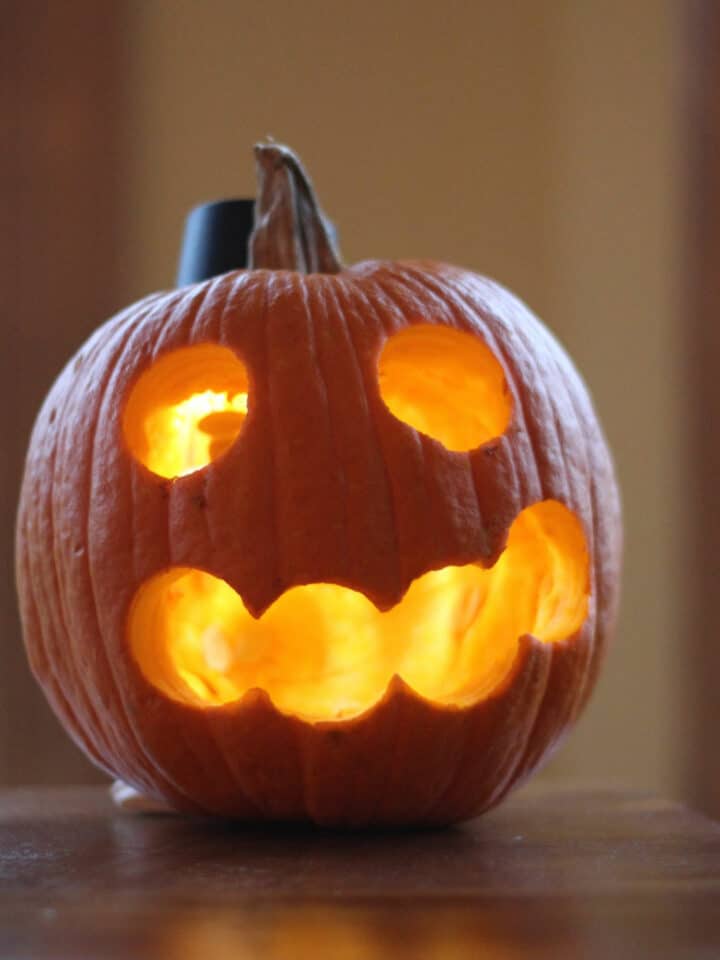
pixel 291 232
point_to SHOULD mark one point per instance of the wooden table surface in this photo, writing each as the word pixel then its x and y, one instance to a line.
pixel 552 873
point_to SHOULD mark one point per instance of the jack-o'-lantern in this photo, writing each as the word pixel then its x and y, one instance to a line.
pixel 313 542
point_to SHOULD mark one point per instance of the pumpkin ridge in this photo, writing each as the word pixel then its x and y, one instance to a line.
pixel 528 756
pixel 419 438
pixel 225 760
pixel 399 314
pixel 361 305
pixel 270 446
pixel 407 277
pixel 393 753
pixel 590 530
pixel 463 716
pixel 316 293
pixel 34 560
pixel 213 333
pixel 345 306
pixel 428 443
pixel 520 415
pixel 44 671
pixel 104 337
pixel 409 267
pixel 281 281
pixel 29 573
pixel 300 503
pixel 534 751
pixel 126 336
pixel 92 720
pixel 59 587
pixel 310 293
pixel 163 318
pixel 511 696
pixel 215 337
pixel 121 342
pixel 570 381
pixel 543 655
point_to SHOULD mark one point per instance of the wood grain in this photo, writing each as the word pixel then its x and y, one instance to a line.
pixel 564 873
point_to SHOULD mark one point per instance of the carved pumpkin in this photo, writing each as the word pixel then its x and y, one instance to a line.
pixel 306 541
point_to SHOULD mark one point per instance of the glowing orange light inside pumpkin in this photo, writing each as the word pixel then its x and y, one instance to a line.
pixel 446 383
pixel 201 427
pixel 323 651
pixel 187 409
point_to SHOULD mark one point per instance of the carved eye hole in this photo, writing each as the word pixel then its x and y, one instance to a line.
pixel 446 384
pixel 187 409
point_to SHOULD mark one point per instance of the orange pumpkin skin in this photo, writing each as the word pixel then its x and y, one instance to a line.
pixel 325 485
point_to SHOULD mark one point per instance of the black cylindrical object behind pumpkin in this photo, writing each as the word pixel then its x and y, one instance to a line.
pixel 215 240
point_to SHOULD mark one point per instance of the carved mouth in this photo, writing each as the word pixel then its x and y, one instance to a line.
pixel 325 652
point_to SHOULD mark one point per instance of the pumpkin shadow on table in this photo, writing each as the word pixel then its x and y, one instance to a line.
pixel 168 886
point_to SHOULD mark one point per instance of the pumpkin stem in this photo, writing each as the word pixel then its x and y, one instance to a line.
pixel 290 232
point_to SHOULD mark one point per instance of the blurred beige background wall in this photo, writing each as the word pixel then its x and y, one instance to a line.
pixel 535 142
